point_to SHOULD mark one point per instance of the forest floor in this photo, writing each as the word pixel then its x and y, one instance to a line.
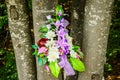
pixel 115 73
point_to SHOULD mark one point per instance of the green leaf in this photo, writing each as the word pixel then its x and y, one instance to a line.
pixel 45 60
pixel 41 55
pixel 77 64
pixel 59 17
pixel 59 8
pixel 55 69
pixel 1 52
pixel 40 62
pixel 50 20
pixel 52 27
pixel 75 48
pixel 35 52
pixel 43 29
pixel 42 35
pixel 34 46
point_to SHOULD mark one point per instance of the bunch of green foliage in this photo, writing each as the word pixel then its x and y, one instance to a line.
pixel 3 15
pixel 7 59
pixel 8 69
pixel 7 65
pixel 113 49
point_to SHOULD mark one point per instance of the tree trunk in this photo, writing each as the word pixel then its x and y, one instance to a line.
pixel 77 20
pixel 42 8
pixel 20 34
pixel 95 34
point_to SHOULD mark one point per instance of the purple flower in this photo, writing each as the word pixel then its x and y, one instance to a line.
pixel 64 22
pixel 61 32
pixel 57 23
pixel 60 13
pixel 66 65
pixel 48 26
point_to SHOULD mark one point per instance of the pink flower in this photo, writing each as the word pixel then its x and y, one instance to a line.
pixel 47 68
pixel 42 50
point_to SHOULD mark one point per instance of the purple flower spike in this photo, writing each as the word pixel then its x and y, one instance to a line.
pixel 66 65
pixel 62 42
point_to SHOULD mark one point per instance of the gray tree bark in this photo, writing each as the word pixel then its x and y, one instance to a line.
pixel 95 34
pixel 42 8
pixel 21 39
pixel 77 20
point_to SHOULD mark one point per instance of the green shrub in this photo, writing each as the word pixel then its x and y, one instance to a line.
pixel 7 65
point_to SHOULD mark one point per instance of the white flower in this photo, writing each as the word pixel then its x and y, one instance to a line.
pixel 69 37
pixel 53 54
pixel 73 53
pixel 50 43
pixel 48 17
pixel 50 34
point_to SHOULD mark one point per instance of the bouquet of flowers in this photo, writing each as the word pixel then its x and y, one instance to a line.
pixel 55 49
